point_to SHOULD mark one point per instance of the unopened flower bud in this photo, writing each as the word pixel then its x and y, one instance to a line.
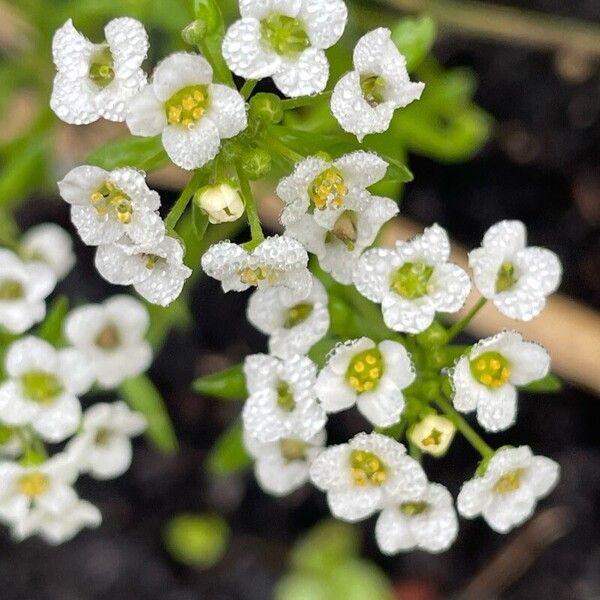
pixel 433 434
pixel 221 202
pixel 256 163
pixel 266 108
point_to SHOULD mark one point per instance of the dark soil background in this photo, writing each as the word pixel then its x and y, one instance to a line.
pixel 542 167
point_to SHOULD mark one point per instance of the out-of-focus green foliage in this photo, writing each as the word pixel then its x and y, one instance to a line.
pixel 228 454
pixel 229 384
pixel 51 328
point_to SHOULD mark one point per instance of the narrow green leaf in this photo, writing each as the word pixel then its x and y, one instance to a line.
pixel 414 38
pixel 141 394
pixel 51 329
pixel 229 384
pixel 550 384
pixel 142 153
pixel 228 455
pixel 200 220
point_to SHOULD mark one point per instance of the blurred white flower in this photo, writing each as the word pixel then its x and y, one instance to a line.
pixel 98 80
pixel 433 434
pixel 516 278
pixel 285 41
pixel 111 336
pixel 191 113
pixel 50 244
pixel 221 202
pixel 506 495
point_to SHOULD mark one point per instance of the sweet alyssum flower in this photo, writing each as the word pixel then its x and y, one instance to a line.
pixel 43 386
pixel 278 261
pixel 516 278
pixel 293 326
pixel 281 467
pixel 485 380
pixel 156 271
pixel 282 402
pixel 365 99
pixel 111 337
pixel 221 202
pixel 50 244
pixel 413 281
pixel 285 41
pixel 97 80
pixel 23 289
pixel 433 434
pixel 506 495
pixel 103 445
pixel 191 113
pixel 369 375
pixel 368 473
pixel 107 205
pixel 427 522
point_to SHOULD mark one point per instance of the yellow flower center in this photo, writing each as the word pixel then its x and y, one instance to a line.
pixel 491 369
pixel 328 189
pixel 11 289
pixel 509 482
pixel 433 439
pixel 102 67
pixel 298 314
pixel 109 338
pixel 41 387
pixel 110 201
pixel 251 276
pixel 187 106
pixel 373 89
pixel 102 437
pixel 411 280
pixel 345 229
pixel 285 397
pixel 367 468
pixel 365 370
pixel 33 484
pixel 411 509
pixel 507 277
pixel 284 35
pixel 292 449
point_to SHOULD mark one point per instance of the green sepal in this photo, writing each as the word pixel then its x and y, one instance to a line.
pixel 51 329
pixel 228 455
pixel 209 12
pixel 414 38
pixel 551 384
pixel 142 153
pixel 199 220
pixel 228 385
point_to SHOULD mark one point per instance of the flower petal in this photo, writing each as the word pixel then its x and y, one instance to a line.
pixel 228 110
pixel 146 115
pixel 128 42
pixel 71 51
pixel 73 100
pixel 180 70
pixel 306 75
pixel 324 20
pixel 499 410
pixel 192 148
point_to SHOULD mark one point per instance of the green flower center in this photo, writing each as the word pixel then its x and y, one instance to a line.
pixel 411 509
pixel 109 338
pixel 491 369
pixel 411 280
pixel 373 89
pixel 187 106
pixel 111 201
pixel 298 314
pixel 509 482
pixel 367 468
pixel 365 370
pixel 102 437
pixel 102 67
pixel 11 289
pixel 151 260
pixel 33 484
pixel 328 189
pixel 345 229
pixel 41 387
pixel 284 35
pixel 285 397
pixel 292 449
pixel 507 277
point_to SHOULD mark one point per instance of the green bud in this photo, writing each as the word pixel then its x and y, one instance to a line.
pixel 231 150
pixel 266 108
pixel 256 163
pixel 195 32
pixel 229 384
pixel 435 335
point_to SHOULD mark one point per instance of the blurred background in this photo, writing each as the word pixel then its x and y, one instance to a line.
pixel 508 128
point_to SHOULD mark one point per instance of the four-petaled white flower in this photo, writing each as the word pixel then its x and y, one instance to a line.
pixel 192 113
pixel 156 271
pixel 369 375
pixel 426 522
pixel 285 41
pixel 111 337
pixel 282 402
pixel 365 475
pixel 281 467
pixel 485 380
pixel 278 261
pixel 103 446
pixel 98 80
pixel 413 281
pixel 50 244
pixel 23 289
pixel 365 99
pixel 293 326
pixel 108 205
pixel 506 495
pixel 516 278
pixel 43 386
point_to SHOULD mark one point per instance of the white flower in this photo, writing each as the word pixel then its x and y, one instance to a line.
pixel 516 278
pixel 365 475
pixel 413 281
pixel 23 288
pixel 97 80
pixel 103 446
pixel 282 401
pixel 433 434
pixel 50 244
pixel 285 41
pixel 293 326
pixel 192 113
pixel 369 375
pixel 221 202
pixel 365 99
pixel 485 380
pixel 105 206
pixel 278 261
pixel 111 337
pixel 427 522
pixel 506 495
pixel 281 467
pixel 157 271
pixel 42 388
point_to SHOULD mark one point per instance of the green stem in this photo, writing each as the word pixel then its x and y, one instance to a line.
pixel 273 143
pixel 248 88
pixel 256 231
pixel 293 103
pixel 458 327
pixel 222 72
pixel 184 199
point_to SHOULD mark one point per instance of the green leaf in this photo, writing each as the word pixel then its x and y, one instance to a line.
pixel 297 586
pixel 229 384
pixel 141 394
pixel 414 38
pixel 200 220
pixel 142 153
pixel 229 455
pixel 551 384
pixel 51 329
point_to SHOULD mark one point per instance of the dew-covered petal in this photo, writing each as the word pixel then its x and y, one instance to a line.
pixel 192 148
pixel 227 111
pixel 146 115
pixel 303 76
pixel 324 20
pixel 498 411
pixel 180 70
pixel 73 100
pixel 128 42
